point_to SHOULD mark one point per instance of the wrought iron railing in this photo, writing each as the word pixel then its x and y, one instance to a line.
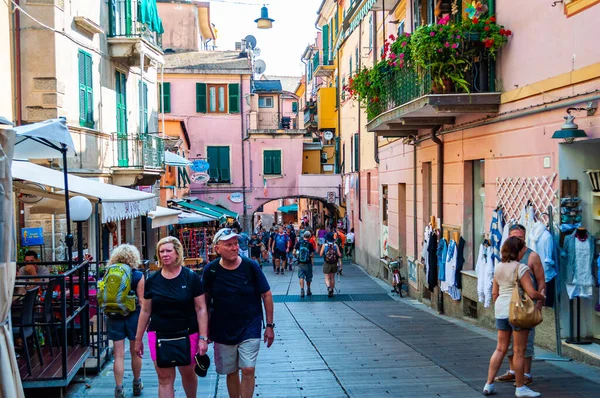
pixel 316 61
pixel 124 21
pixel 146 151
pixel 277 120
pixel 310 113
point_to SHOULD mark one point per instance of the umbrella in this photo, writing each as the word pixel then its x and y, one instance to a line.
pixel 43 140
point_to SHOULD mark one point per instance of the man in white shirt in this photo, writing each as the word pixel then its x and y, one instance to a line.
pixel 350 243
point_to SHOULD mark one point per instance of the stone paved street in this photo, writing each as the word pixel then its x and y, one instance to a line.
pixel 365 343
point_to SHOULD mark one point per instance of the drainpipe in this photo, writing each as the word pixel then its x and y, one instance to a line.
pixel 339 112
pixel 245 212
pixel 416 242
pixel 305 81
pixel 141 96
pixel 17 51
pixel 440 195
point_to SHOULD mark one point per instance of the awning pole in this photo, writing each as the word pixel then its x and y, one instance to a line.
pixel 69 237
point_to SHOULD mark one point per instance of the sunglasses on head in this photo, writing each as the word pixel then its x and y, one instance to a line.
pixel 516 226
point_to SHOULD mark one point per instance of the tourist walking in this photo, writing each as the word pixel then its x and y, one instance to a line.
pixel 175 306
pixel 331 253
pixel 292 234
pixel 350 243
pixel 236 287
pixel 280 249
pixel 504 281
pixel 244 240
pixel 255 248
pixel 123 271
pixel 538 278
pixel 305 252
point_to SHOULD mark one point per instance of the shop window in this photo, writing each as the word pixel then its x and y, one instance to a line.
pixel 265 102
pixel 384 204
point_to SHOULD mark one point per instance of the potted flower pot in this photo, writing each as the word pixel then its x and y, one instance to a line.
pixel 445 88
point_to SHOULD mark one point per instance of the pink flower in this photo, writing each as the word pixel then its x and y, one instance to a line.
pixel 432 34
pixel 392 56
pixel 441 29
pixel 403 44
pixel 446 44
pixel 458 36
pixel 402 55
pixel 407 34
pixel 455 45
pixel 444 20
pixel 394 64
pixel 439 50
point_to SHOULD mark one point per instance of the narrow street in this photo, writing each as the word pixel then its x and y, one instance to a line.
pixel 366 343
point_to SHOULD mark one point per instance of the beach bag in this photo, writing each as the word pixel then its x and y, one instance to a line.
pixel 522 312
pixel 114 291
pixel 331 255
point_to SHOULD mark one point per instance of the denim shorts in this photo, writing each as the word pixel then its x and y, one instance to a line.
pixel 123 327
pixel 305 272
pixel 503 324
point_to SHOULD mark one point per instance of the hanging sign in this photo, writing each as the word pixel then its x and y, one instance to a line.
pixel 236 197
pixel 30 198
pixel 32 236
pixel 200 166
pixel 200 178
pixel 331 197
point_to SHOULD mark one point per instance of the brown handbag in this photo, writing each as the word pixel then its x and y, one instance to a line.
pixel 522 311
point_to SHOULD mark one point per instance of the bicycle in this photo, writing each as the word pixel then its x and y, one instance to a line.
pixel 398 281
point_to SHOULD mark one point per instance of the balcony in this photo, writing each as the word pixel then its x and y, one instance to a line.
pixel 326 108
pixel 409 101
pixel 322 65
pixel 135 31
pixel 138 160
pixel 275 123
pixel 310 116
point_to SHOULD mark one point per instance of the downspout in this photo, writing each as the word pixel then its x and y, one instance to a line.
pixel 440 195
pixel 245 212
pixel 305 80
pixel 416 241
pixel 17 64
pixel 339 115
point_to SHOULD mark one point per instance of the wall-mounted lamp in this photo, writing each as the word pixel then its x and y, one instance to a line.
pixel 264 22
pixel 569 131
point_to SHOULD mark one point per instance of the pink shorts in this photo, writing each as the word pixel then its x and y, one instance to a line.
pixel 193 345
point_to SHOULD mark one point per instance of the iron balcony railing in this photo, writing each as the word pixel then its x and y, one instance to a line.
pixel 125 21
pixel 310 113
pixel 316 61
pixel 277 120
pixel 145 151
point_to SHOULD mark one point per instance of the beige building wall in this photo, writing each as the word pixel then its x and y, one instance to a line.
pixel 6 99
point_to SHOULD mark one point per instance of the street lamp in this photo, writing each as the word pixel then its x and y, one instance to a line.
pixel 569 131
pixel 81 210
pixel 264 22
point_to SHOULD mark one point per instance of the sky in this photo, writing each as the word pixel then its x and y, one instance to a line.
pixel 282 46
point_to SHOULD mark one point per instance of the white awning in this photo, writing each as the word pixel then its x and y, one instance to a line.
pixel 193 218
pixel 118 203
pixel 172 159
pixel 163 216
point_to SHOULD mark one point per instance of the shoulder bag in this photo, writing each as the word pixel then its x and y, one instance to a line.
pixel 522 311
pixel 173 349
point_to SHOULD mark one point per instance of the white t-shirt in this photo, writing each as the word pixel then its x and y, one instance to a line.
pixel 504 274
pixel 350 237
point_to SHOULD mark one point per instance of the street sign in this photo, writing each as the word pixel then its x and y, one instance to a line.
pixel 331 197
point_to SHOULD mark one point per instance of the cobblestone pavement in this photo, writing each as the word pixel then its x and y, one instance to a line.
pixel 365 343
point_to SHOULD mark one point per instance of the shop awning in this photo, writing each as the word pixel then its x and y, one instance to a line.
pixel 163 216
pixel 228 213
pixel 118 203
pixel 194 218
pixel 172 159
pixel 182 204
pixel 293 208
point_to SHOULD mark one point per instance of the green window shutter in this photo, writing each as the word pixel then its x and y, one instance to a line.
pixel 370 30
pixel 224 164
pixel 212 154
pixel 146 119
pixel 82 90
pixel 272 162
pixel 294 106
pixel 165 92
pixel 356 152
pixel 90 90
pixel 337 23
pixel 277 162
pixel 234 98
pixel 357 58
pixel 325 45
pixel 201 97
pixel 350 67
pixel 267 163
pixel 86 95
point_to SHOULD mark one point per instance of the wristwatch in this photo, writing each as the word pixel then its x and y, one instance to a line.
pixel 270 325
pixel 203 338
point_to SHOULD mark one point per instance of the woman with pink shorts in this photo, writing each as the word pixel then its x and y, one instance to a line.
pixel 174 306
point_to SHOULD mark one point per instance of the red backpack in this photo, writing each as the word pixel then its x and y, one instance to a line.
pixel 331 254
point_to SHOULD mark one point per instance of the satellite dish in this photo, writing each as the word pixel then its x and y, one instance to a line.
pixel 260 66
pixel 250 42
pixel 328 135
pixel 257 52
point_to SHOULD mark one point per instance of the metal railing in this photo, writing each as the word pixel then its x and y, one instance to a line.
pixel 316 61
pixel 310 113
pixel 146 151
pixel 123 22
pixel 277 120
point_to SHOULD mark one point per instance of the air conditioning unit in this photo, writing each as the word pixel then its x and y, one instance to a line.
pixel 323 157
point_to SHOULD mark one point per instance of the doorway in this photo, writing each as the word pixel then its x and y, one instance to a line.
pixel 427 188
pixel 402 220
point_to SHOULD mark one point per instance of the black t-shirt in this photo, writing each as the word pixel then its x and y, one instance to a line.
pixel 236 312
pixel 254 243
pixel 309 246
pixel 173 308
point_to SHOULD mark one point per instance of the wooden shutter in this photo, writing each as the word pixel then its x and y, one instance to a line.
pixel 294 106
pixel 165 92
pixel 234 98
pixel 356 152
pixel 276 162
pixel 201 97
pixel 212 154
pixel 224 164
pixel 145 88
pixel 325 45
pixel 357 57
pixel 89 91
pixel 82 90
pixel 267 163
pixel 86 97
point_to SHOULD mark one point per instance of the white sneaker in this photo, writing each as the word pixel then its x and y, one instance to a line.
pixel 489 389
pixel 526 392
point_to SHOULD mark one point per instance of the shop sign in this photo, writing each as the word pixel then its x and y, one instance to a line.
pixel 200 166
pixel 30 198
pixel 236 197
pixel 145 188
pixel 331 197
pixel 32 236
pixel 412 273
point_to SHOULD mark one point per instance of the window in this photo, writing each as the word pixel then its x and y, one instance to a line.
pixel 356 152
pixel 370 32
pixel 357 58
pixel 217 98
pixel 343 95
pixel 350 67
pixel 265 102
pixel 368 188
pixel 325 44
pixel 165 97
pixel 218 159
pixel 86 91
pixel 143 107
pixel 295 107
pixel 272 162
pixel 384 204
pixel 234 98
pixel 401 28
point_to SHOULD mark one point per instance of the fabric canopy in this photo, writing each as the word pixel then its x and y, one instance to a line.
pixel 193 218
pixel 10 380
pixel 293 208
pixel 43 140
pixel 118 203
pixel 163 216
pixel 228 213
pixel 173 159
pixel 216 215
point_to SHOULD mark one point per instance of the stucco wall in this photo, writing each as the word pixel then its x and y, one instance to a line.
pixel 6 99
pixel 180 22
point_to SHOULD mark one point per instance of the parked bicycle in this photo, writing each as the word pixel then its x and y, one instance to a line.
pixel 398 281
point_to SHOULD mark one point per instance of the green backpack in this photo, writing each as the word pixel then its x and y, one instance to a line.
pixel 114 291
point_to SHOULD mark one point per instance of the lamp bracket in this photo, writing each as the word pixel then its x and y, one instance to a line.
pixel 590 108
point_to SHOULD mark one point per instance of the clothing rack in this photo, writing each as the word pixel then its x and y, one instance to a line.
pixel 577 340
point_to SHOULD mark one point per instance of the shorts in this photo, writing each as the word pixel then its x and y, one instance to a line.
pixel 123 327
pixel 244 253
pixel 329 268
pixel 255 252
pixel 193 344
pixel 305 272
pixel 503 324
pixel 321 241
pixel 279 255
pixel 231 358
pixel 530 350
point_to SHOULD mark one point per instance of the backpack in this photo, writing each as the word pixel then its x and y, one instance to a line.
pixel 331 255
pixel 115 296
pixel 304 252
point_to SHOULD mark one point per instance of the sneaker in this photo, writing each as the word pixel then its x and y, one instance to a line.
pixel 329 292
pixel 119 392
pixel 308 292
pixel 138 386
pixel 301 293
pixel 489 389
pixel 508 376
pixel 527 381
pixel 281 272
pixel 526 392
pixel 340 272
pixel 277 272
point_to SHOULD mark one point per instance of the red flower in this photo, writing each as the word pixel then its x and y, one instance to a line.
pixel 475 20
pixel 508 33
pixel 502 32
pixel 487 28
pixel 487 22
pixel 493 19
pixel 392 37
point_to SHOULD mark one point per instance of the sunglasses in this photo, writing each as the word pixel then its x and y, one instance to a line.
pixel 516 226
pixel 222 233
